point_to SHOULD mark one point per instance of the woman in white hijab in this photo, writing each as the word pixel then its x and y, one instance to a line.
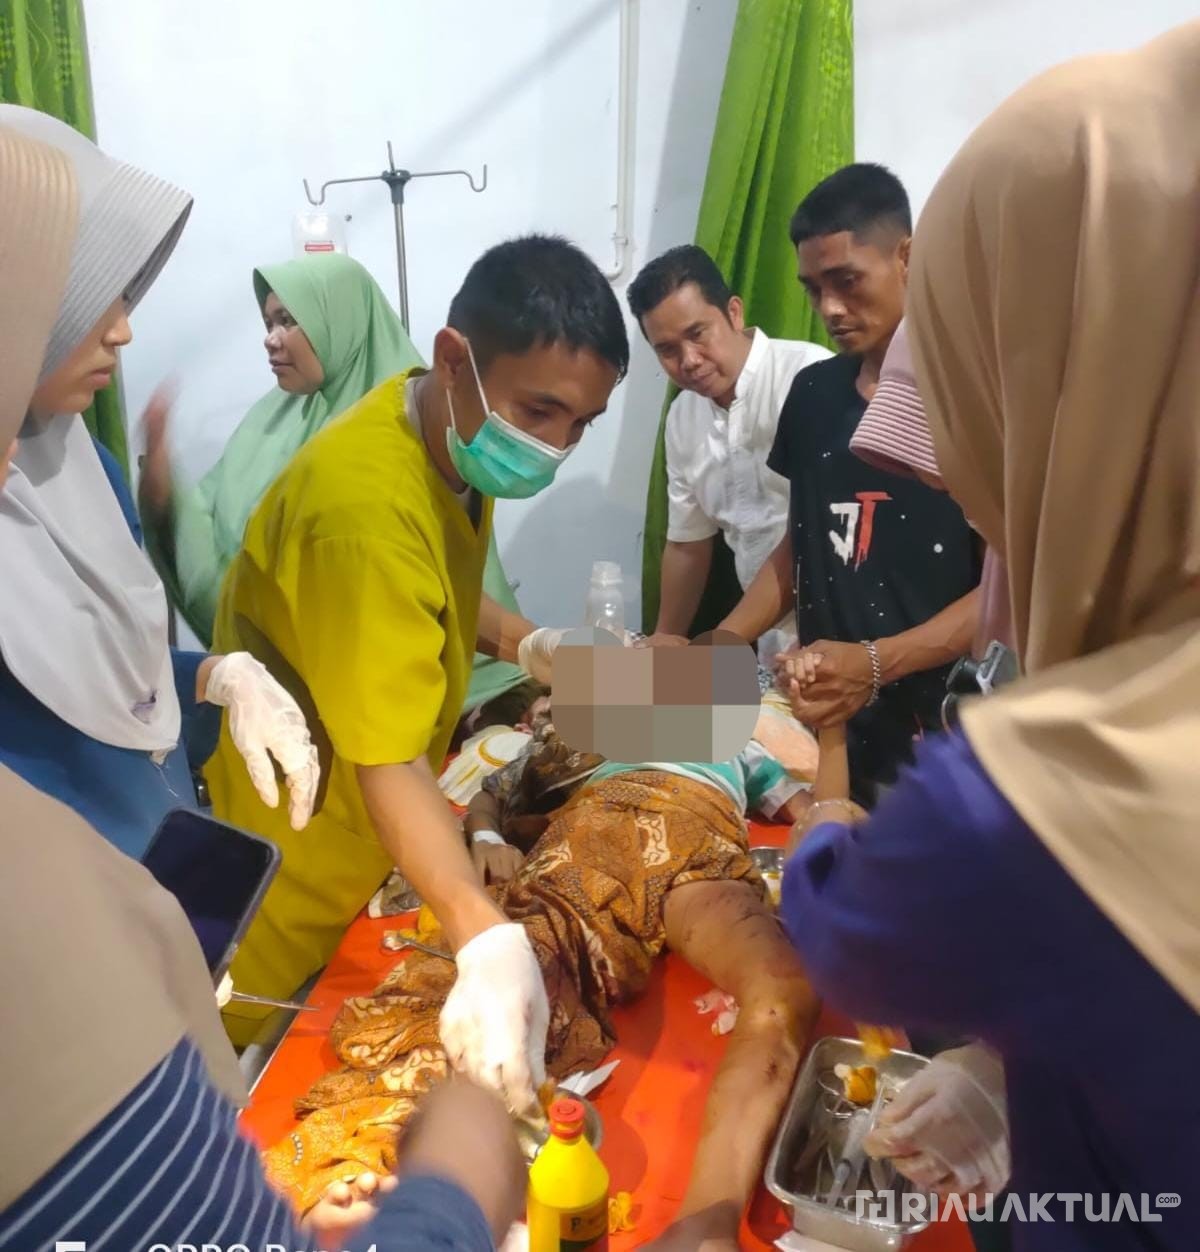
pixel 1033 881
pixel 94 707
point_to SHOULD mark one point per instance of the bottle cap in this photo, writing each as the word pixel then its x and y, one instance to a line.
pixel 606 572
pixel 566 1119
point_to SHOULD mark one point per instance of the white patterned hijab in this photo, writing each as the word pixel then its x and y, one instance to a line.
pixel 83 617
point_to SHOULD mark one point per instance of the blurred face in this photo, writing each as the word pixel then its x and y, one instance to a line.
pixel 71 388
pixel 857 286
pixel 552 392
pixel 703 348
pixel 293 361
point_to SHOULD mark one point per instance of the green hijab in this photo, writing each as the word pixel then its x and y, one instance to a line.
pixel 359 341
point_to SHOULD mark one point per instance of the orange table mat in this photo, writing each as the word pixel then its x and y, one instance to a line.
pixel 651 1107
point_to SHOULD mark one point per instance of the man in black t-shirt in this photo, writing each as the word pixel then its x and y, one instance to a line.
pixel 882 570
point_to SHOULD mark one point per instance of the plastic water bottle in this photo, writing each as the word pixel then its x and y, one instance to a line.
pixel 606 599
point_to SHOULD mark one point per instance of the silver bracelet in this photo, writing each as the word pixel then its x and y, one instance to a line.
pixel 876 670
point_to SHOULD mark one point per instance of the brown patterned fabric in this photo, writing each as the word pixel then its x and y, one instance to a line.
pixel 591 898
pixel 536 783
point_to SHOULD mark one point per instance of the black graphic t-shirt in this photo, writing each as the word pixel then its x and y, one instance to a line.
pixel 875 554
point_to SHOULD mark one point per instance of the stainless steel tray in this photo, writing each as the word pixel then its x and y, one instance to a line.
pixel 839 1227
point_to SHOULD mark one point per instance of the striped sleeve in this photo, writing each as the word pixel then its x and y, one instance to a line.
pixel 166 1167
pixel 768 785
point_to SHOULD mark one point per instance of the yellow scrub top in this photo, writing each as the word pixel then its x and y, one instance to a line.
pixel 358 586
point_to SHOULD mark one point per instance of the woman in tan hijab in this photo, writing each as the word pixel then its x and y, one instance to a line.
pixel 1035 880
pixel 119 1081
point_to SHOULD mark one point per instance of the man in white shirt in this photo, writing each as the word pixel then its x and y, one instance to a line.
pixel 733 381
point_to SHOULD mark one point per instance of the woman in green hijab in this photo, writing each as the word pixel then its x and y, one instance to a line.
pixel 331 338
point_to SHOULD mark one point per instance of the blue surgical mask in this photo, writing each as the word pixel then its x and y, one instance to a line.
pixel 501 461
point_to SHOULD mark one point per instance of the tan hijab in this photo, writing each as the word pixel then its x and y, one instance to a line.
pixel 101 975
pixel 1054 310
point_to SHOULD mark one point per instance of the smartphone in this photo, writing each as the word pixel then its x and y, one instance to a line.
pixel 218 873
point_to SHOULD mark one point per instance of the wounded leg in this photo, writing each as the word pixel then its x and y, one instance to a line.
pixel 726 932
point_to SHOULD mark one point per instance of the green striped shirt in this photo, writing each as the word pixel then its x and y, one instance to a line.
pixel 754 780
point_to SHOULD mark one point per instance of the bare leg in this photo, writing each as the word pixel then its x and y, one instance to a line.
pixel 723 930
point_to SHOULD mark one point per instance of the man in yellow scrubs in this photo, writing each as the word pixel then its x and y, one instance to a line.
pixel 359 587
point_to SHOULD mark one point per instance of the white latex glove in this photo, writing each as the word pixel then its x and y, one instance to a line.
pixel 496 1016
pixel 265 722
pixel 947 1129
pixel 224 990
pixel 536 651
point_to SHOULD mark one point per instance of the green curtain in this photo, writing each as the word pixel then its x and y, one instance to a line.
pixel 44 65
pixel 785 121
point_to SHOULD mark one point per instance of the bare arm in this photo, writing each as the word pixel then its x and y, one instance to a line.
pixel 499 631
pixel 726 932
pixel 768 596
pixel 833 765
pixel 842 682
pixel 685 569
pixel 494 862
pixel 483 813
pixel 830 799
pixel 465 1134
pixel 418 831
pixel 943 638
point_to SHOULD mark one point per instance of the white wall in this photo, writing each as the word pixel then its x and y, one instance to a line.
pixel 928 71
pixel 237 100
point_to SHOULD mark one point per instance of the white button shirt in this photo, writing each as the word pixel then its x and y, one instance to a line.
pixel 717 475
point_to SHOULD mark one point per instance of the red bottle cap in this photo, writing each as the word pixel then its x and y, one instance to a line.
pixel 566 1119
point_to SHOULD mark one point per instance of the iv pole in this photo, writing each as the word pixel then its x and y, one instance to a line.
pixel 396 180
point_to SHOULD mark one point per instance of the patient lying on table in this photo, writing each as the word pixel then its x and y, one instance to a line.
pixel 783 757
pixel 624 861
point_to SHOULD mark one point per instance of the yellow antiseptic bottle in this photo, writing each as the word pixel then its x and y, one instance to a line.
pixel 568 1188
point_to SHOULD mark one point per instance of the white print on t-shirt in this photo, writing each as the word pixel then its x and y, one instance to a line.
pixel 858 517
